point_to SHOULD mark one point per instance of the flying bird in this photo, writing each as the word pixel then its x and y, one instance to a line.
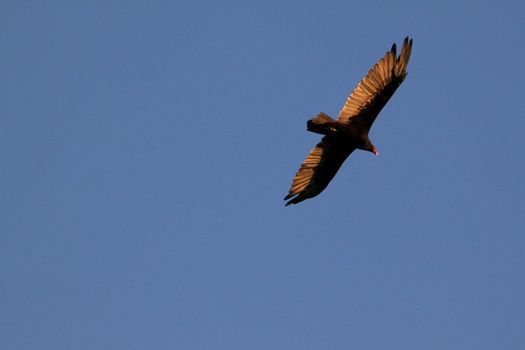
pixel 350 131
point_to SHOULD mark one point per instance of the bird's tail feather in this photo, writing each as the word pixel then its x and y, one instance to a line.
pixel 320 124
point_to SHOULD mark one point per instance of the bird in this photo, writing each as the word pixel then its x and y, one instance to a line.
pixel 350 131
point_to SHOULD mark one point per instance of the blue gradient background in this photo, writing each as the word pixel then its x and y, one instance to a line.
pixel 146 149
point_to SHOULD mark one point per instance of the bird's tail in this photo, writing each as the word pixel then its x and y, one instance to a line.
pixel 320 124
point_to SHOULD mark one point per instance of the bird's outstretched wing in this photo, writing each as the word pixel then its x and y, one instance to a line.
pixel 318 169
pixel 374 90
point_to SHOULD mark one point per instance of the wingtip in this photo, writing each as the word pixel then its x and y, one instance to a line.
pixel 293 198
pixel 290 198
pixel 407 41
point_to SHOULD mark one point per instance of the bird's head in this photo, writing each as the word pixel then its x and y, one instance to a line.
pixel 366 145
pixel 373 150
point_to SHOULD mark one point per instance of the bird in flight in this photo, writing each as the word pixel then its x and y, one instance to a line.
pixel 350 130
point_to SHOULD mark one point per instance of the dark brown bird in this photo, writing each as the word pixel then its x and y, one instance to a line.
pixel 350 130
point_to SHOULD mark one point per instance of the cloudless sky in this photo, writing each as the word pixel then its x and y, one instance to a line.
pixel 146 148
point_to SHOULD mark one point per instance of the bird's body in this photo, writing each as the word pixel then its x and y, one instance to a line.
pixel 345 132
pixel 350 130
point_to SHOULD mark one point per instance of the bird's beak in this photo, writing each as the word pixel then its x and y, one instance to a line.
pixel 374 151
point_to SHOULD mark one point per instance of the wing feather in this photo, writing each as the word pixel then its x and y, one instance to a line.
pixel 376 88
pixel 318 169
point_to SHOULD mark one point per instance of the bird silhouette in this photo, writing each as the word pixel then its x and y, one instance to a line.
pixel 350 131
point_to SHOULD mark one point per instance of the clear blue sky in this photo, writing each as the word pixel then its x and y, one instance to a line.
pixel 146 148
